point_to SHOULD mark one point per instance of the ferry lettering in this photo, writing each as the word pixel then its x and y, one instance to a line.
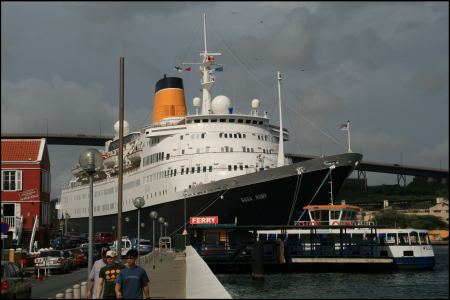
pixel 246 199
pixel 261 196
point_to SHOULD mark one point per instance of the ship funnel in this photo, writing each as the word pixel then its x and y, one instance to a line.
pixel 169 99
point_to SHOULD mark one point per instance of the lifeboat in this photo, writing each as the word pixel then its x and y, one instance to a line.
pixel 110 160
pixel 77 171
pixel 135 157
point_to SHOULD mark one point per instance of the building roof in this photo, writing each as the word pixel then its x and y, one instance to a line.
pixel 21 150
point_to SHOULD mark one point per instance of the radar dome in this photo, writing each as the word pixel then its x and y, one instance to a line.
pixel 220 104
pixel 197 102
pixel 255 103
pixel 126 128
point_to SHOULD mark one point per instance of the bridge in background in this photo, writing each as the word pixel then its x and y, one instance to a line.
pixel 364 166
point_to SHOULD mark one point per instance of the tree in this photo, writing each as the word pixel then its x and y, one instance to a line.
pixel 395 219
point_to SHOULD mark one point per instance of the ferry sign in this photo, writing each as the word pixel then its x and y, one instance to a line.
pixel 204 220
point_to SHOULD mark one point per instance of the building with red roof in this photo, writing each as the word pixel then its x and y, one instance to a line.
pixel 25 189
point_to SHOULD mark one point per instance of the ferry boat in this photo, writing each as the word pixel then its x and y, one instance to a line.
pixel 337 225
pixel 216 162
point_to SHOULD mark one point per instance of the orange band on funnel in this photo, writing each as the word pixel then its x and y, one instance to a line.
pixel 168 103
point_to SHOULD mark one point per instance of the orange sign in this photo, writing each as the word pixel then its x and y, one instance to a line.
pixel 204 220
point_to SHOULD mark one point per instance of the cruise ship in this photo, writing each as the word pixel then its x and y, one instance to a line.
pixel 214 162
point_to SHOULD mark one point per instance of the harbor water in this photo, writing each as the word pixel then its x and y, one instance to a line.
pixel 395 285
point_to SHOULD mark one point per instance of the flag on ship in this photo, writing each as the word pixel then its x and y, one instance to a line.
pixel 181 69
pixel 344 126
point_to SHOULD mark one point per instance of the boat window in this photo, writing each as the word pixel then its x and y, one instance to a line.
pixel 197 121
pixel 315 214
pixel 204 169
pixel 210 168
pixel 229 167
pixel 193 170
pixel 408 253
pixel 255 122
pixel 247 121
pixel 334 214
pixel 167 156
pixel 240 120
pixel 424 240
pixel 243 135
pixel 182 171
pixel 231 121
pixel 220 134
pixel 382 237
pixel 403 239
pixel 213 120
pixel 391 238
pixel 222 120
pixel 205 120
pixel 260 122
pixel 181 137
pixel 198 169
pixel 203 135
pixel 226 135
pixel 414 238
pixel 263 236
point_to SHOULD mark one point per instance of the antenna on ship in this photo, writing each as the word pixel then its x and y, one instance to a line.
pixel 281 142
pixel 207 68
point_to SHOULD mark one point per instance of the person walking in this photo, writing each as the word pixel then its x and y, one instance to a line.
pixel 108 275
pixel 93 276
pixel 133 280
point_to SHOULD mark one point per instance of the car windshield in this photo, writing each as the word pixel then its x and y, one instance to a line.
pixel 51 254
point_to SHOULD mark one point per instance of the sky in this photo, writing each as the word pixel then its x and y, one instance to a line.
pixel 382 65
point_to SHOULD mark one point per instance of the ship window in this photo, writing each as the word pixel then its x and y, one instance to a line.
pixel 241 167
pixel 244 135
pixel 235 135
pixel 247 121
pixel 230 135
pixel 182 171
pixel 204 169
pixel 403 239
pixel 198 169
pixel 231 121
pixel 246 166
pixel 181 137
pixel 235 167
pixel 203 135
pixel 253 150
pixel 175 172
pixel 205 120
pixel 260 122
pixel 229 167
pixel 255 122
pixel 408 253
pixel 243 148
pixel 239 135
pixel 167 156
pixel 213 120
pixel 182 151
pixel 197 121
pixel 240 120
pixel 193 170
pixel 222 120
pixel 187 170
pixel 210 168
pixel 220 134
pixel 226 135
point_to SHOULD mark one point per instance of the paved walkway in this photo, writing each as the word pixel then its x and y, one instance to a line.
pixel 168 279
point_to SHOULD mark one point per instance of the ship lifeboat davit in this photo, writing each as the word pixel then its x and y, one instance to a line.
pixel 110 160
pixel 169 99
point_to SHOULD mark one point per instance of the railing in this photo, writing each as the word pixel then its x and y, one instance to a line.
pixel 14 223
pixel 333 223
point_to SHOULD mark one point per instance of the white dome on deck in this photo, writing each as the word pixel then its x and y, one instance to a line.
pixel 220 104
pixel 126 128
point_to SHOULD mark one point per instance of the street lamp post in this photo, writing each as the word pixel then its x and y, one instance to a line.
pixel 161 222
pixel 114 231
pixel 166 224
pixel 153 216
pixel 91 161
pixel 139 202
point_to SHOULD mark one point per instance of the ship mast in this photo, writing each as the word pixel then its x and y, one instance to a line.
pixel 206 70
pixel 281 142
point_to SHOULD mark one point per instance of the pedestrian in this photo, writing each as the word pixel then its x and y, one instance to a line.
pixel 93 276
pixel 133 280
pixel 108 275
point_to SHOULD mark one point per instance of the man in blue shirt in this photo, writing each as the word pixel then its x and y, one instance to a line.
pixel 133 280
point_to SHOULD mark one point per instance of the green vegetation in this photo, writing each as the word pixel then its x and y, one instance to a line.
pixel 395 219
pixel 418 190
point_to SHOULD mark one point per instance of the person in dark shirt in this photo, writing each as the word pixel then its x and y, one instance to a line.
pixel 133 280
pixel 108 275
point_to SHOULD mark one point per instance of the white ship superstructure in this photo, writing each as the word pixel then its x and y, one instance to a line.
pixel 202 156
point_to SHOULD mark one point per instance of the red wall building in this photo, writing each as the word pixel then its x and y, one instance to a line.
pixel 25 186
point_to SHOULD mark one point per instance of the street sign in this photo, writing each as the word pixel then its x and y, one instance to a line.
pixel 5 227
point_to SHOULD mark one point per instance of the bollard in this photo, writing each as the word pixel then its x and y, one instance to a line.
pixel 69 294
pixel 76 291
pixel 59 296
pixel 83 289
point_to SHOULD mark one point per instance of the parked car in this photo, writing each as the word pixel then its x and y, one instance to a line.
pixel 58 243
pixel 71 258
pixel 103 237
pixel 53 260
pixel 145 246
pixel 126 245
pixel 80 256
pixel 15 284
pixel 97 249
